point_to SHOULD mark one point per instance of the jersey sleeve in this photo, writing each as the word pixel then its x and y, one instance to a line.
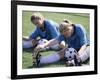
pixel 34 35
pixel 54 29
pixel 82 35
pixel 60 38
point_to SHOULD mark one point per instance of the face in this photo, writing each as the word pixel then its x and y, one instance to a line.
pixel 38 22
pixel 67 32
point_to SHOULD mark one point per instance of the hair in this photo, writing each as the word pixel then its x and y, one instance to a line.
pixel 65 20
pixel 36 15
pixel 65 23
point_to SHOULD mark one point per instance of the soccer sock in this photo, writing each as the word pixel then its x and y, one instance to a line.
pixel 85 55
pixel 27 44
pixel 49 59
pixel 55 47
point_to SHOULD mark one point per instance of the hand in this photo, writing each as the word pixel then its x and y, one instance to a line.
pixel 63 45
pixel 26 38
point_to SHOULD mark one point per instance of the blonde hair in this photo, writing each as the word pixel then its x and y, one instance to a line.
pixel 65 24
pixel 36 15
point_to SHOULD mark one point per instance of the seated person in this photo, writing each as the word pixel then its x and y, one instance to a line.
pixel 75 36
pixel 45 29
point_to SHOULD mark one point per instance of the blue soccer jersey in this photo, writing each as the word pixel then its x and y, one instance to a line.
pixel 78 38
pixel 51 31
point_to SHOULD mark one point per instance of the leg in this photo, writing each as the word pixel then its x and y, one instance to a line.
pixel 52 58
pixel 55 47
pixel 59 46
pixel 85 54
pixel 29 43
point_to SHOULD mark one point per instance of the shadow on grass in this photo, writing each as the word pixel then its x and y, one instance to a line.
pixel 61 63
pixel 29 50
pixel 87 61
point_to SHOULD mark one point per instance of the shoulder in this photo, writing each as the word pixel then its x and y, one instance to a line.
pixel 50 22
pixel 60 37
pixel 80 29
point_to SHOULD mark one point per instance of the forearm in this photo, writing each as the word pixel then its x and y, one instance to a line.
pixel 51 43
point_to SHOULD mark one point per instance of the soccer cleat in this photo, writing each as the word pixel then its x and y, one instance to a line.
pixel 77 61
pixel 36 58
pixel 74 62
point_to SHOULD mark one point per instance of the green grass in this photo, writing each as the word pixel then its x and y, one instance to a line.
pixel 28 28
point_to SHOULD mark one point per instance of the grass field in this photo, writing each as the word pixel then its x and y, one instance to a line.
pixel 28 28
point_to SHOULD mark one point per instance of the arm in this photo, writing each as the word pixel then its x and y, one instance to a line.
pixel 34 35
pixel 83 39
pixel 48 44
pixel 82 35
pixel 51 43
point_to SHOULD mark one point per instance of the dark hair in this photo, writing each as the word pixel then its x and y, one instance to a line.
pixel 32 18
pixel 67 21
pixel 36 15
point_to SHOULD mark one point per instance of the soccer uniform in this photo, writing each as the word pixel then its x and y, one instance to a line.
pixel 51 30
pixel 78 38
pixel 76 41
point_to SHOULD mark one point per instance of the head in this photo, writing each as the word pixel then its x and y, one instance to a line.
pixel 37 19
pixel 66 28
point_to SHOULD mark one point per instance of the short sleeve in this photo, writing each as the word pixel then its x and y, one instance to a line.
pixel 60 38
pixel 82 35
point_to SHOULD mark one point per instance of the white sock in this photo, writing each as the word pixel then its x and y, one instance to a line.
pixel 50 59
pixel 85 55
pixel 55 47
pixel 27 44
